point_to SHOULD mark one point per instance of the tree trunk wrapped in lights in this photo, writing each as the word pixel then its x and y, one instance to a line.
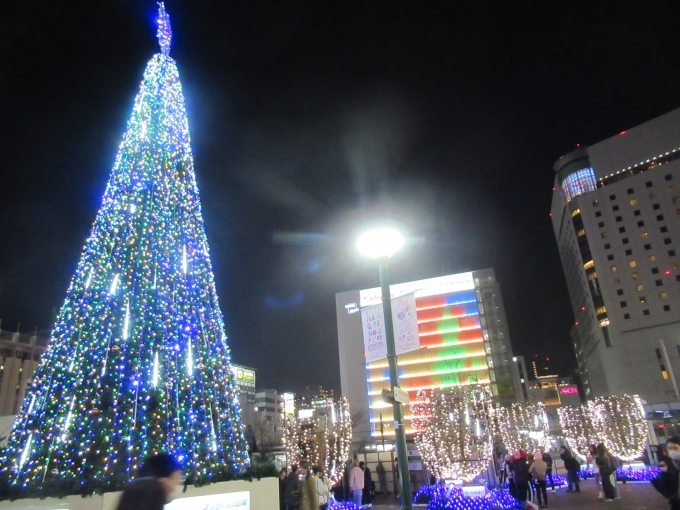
pixel 323 439
pixel 522 426
pixel 617 421
pixel 453 431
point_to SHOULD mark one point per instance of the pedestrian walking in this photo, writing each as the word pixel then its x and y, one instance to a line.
pixel 547 458
pixel 292 495
pixel 520 471
pixel 591 458
pixel 356 483
pixel 322 488
pixel 538 469
pixel 156 482
pixel 308 497
pixel 283 478
pixel 367 496
pixel 573 467
pixel 607 466
pixel 512 487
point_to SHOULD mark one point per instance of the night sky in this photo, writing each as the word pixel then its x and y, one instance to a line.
pixel 315 117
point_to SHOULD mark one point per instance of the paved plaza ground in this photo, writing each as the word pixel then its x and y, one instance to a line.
pixel 634 496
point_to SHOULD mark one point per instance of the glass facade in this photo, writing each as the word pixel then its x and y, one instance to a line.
pixel 578 182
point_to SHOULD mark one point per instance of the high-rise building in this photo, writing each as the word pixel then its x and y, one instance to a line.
pixel 464 341
pixel 616 216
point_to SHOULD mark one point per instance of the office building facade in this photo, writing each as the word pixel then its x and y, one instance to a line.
pixel 616 217
pixel 464 341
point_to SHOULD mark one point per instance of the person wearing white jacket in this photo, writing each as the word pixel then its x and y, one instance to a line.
pixel 322 488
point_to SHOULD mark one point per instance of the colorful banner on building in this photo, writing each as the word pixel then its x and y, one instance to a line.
pixel 405 323
pixel 373 322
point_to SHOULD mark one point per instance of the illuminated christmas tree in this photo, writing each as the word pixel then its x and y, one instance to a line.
pixel 138 361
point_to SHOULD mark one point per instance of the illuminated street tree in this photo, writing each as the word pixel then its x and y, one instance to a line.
pixel 452 431
pixel 321 435
pixel 617 421
pixel 138 361
pixel 522 426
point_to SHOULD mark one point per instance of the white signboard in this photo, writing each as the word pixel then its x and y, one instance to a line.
pixel 225 501
pixel 373 323
pixel 400 395
pixel 422 288
pixel 474 491
pixel 405 323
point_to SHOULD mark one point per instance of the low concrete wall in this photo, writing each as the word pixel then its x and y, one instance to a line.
pixel 264 495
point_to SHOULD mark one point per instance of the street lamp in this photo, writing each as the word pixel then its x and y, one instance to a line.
pixel 381 244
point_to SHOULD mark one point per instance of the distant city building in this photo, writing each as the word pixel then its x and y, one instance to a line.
pixel 19 357
pixel 541 367
pixel 616 217
pixel 464 341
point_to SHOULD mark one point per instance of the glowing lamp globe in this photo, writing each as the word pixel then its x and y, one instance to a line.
pixel 383 242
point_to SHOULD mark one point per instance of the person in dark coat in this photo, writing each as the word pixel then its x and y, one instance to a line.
pixel 283 477
pixel 520 471
pixel 292 495
pixel 545 457
pixel 607 466
pixel 366 497
pixel 573 467
pixel 158 478
pixel 667 481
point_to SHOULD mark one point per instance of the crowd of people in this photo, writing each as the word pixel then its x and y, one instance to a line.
pixel 307 488
pixel 527 475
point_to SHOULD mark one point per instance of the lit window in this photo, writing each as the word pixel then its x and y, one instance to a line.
pixel 663 295
pixel 633 202
pixel 588 264
pixel 643 299
pixel 638 287
pixel 672 188
pixel 676 265
pixel 617 280
pixel 676 200
pixel 577 211
pixel 636 276
pixel 644 235
pixel 581 233
pixel 604 235
pixel 592 276
pixel 614 269
pixel 596 203
pixel 601 310
pixel 632 263
pixel 604 323
pixel 664 374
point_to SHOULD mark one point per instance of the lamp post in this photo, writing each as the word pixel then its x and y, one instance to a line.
pixel 381 244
